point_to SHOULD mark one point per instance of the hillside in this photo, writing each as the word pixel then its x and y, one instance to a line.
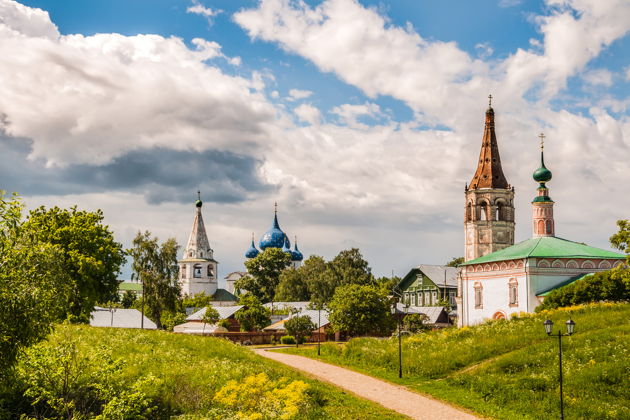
pixel 509 369
pixel 81 371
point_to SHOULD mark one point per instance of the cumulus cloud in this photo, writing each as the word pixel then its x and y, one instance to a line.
pixel 297 94
pixel 108 94
pixel 308 113
pixel 349 113
pixel 199 9
pixel 599 77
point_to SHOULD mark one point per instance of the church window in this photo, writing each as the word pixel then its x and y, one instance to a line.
pixel 548 227
pixel 513 292
pixel 478 296
pixel 500 214
pixel 182 271
pixel 483 213
pixel 190 254
pixel 541 227
pixel 201 254
pixel 469 212
pixel 197 271
pixel 210 271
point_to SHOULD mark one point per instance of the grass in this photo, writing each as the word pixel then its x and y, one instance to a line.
pixel 193 370
pixel 509 369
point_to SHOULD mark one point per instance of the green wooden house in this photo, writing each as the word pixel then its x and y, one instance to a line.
pixel 426 285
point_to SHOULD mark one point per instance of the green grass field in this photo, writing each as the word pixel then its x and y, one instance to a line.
pixel 185 376
pixel 509 369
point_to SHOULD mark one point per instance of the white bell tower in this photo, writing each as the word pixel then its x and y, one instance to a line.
pixel 197 268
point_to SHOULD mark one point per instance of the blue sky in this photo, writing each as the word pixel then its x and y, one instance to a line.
pixel 361 118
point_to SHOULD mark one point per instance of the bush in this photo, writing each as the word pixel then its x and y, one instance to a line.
pixel 170 319
pixel 300 327
pixel 287 339
pixel 224 323
pixel 612 286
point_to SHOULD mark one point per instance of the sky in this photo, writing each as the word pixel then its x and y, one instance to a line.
pixel 361 119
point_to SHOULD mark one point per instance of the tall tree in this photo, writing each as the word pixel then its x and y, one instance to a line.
pixel 621 239
pixel 292 286
pixel 254 316
pixel 156 267
pixel 264 273
pixel 360 309
pixel 90 256
pixel 349 267
pixel 455 261
pixel 34 286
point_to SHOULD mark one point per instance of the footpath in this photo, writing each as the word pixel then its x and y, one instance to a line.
pixel 394 397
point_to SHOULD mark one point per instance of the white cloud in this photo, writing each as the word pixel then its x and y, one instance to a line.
pixel 106 94
pixel 308 113
pixel 509 3
pixel 199 9
pixel 297 94
pixel 484 50
pixel 599 77
pixel 349 113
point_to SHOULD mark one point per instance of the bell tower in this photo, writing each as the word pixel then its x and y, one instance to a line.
pixel 542 206
pixel 489 211
pixel 198 268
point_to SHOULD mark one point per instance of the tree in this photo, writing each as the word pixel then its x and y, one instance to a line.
pixel 210 316
pixel 621 239
pixel 199 300
pixel 292 287
pixel 156 267
pixel 253 316
pixel 128 299
pixel 89 255
pixel 415 322
pixel 456 261
pixel 34 286
pixel 264 273
pixel 320 286
pixel 300 327
pixel 360 309
pixel 349 267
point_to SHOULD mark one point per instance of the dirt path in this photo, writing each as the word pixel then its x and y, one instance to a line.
pixel 394 397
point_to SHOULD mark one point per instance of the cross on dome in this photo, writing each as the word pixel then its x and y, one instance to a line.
pixel 542 140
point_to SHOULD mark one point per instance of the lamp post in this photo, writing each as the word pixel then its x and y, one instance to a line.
pixel 319 327
pixel 397 296
pixel 548 329
pixel 111 311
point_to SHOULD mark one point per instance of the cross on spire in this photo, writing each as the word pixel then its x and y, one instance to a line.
pixel 490 100
pixel 275 204
pixel 542 141
pixel 198 195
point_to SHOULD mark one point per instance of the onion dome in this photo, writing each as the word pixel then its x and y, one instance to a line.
pixel 198 203
pixel 274 237
pixel 252 252
pixel 287 246
pixel 296 255
pixel 542 174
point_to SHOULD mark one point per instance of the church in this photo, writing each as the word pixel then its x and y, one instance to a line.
pixel 497 277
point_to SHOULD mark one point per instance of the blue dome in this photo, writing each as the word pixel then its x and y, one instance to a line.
pixel 274 237
pixel 252 252
pixel 296 255
pixel 287 245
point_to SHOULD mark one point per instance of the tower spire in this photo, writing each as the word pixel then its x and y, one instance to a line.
pixel 489 173
pixel 542 205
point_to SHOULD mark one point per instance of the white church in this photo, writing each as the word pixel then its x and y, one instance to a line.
pixel 499 278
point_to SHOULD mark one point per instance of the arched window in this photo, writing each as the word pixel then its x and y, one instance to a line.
pixel 500 214
pixel 549 230
pixel 483 211
pixel 541 227
pixel 513 292
pixel 182 271
pixel 210 271
pixel 197 271
pixel 469 212
pixel 478 296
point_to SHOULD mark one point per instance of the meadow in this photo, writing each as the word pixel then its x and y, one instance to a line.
pixel 85 372
pixel 508 369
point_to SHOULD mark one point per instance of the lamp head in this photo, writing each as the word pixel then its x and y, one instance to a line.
pixel 570 326
pixel 548 326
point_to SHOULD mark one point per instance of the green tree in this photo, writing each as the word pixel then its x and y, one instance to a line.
pixel 199 300
pixel 621 239
pixel 156 267
pixel 34 286
pixel 292 287
pixel 90 256
pixel 210 316
pixel 254 316
pixel 264 273
pixel 415 322
pixel 349 267
pixel 360 310
pixel 128 299
pixel 320 285
pixel 455 261
pixel 301 327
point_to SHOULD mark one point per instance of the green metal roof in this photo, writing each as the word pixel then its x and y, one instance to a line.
pixel 134 287
pixel 546 247
pixel 223 295
pixel 564 283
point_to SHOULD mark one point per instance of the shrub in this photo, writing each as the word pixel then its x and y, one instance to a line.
pixel 225 323
pixel 170 319
pixel 287 339
pixel 300 327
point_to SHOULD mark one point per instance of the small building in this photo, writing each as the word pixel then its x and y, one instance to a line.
pixel 194 325
pixel 120 318
pixel 425 285
pixel 319 318
pixel 231 279
pixel 436 316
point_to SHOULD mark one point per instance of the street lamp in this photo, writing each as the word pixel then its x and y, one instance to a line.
pixel 319 326
pixel 397 296
pixel 548 329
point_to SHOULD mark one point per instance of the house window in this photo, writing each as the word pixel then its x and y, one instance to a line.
pixel 478 296
pixel 197 271
pixel 513 292
pixel 433 298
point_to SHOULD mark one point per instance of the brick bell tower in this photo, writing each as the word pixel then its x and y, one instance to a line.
pixel 489 211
